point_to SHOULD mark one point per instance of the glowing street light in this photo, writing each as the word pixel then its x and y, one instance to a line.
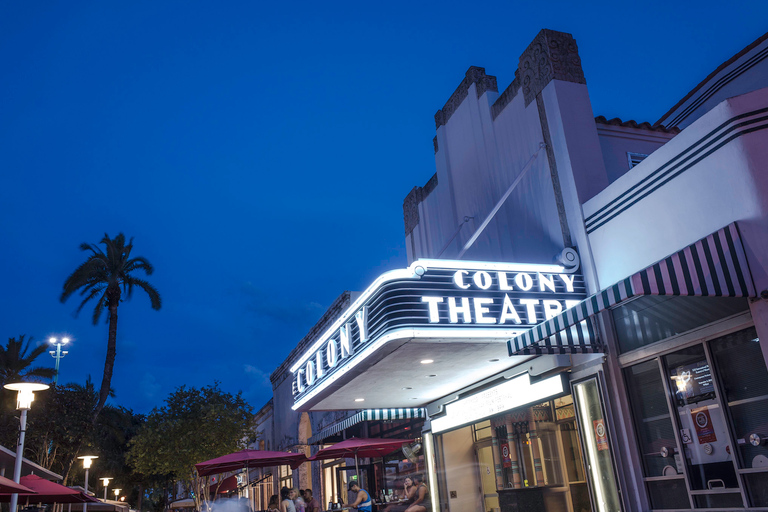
pixel 24 398
pixel 87 461
pixel 58 354
pixel 105 481
pixel 117 493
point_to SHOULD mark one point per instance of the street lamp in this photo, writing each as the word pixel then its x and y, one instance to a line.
pixel 58 354
pixel 24 398
pixel 117 493
pixel 105 481
pixel 87 461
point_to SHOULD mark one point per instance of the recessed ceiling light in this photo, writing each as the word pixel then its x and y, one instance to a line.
pixel 493 360
pixel 427 361
pixel 359 399
pixel 407 388
pixel 433 375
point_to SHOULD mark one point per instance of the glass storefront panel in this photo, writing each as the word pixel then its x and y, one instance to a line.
pixel 703 429
pixel 653 318
pixel 528 458
pixel 597 447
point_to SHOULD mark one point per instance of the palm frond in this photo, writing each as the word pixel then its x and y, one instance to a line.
pixel 99 308
pixel 154 295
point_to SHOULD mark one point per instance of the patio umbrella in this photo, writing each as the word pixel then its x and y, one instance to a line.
pixel 44 491
pixel 249 459
pixel 360 447
pixel 9 486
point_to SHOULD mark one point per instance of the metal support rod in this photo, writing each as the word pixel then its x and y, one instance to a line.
pixel 19 457
pixel 58 358
pixel 496 208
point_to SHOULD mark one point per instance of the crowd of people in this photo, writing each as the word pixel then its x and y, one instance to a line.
pixel 291 500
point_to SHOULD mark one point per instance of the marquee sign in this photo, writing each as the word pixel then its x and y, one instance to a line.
pixel 436 299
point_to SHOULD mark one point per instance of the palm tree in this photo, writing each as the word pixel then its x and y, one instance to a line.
pixel 16 363
pixel 104 277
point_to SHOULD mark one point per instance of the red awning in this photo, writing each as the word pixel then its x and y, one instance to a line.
pixel 249 459
pixel 226 485
pixel 360 447
pixel 9 486
pixel 48 492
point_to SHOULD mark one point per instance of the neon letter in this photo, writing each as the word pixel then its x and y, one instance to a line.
pixel 503 285
pixel 480 310
pixel 552 308
pixel 546 282
pixel 458 278
pixel 330 353
pixel 568 282
pixel 362 321
pixel 346 348
pixel 453 310
pixel 434 316
pixel 482 279
pixel 508 312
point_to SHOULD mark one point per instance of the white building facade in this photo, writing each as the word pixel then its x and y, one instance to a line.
pixel 583 321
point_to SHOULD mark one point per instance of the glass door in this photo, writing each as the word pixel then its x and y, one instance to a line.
pixel 706 445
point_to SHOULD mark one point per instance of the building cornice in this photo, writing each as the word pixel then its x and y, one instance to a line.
pixel 474 75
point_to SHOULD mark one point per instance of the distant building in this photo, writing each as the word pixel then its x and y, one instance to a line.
pixel 583 324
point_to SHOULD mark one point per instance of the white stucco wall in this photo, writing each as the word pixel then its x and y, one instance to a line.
pixel 730 184
pixel 617 141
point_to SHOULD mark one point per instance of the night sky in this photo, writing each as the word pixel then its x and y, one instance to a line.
pixel 259 153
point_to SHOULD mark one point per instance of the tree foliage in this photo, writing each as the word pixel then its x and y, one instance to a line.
pixel 194 425
pixel 104 277
pixel 16 362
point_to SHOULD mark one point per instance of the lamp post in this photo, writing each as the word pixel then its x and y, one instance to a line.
pixel 105 481
pixel 58 354
pixel 24 398
pixel 117 493
pixel 87 461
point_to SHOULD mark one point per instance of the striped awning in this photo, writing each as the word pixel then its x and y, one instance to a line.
pixel 368 415
pixel 715 266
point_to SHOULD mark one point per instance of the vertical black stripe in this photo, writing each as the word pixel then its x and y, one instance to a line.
pixel 660 284
pixel 736 263
pixel 724 265
pixel 712 268
pixel 686 272
pixel 672 276
pixel 580 332
pixel 646 283
pixel 699 271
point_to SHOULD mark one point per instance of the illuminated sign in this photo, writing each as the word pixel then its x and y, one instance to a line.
pixel 496 400
pixel 436 299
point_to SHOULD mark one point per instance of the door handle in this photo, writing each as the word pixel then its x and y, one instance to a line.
pixel 710 483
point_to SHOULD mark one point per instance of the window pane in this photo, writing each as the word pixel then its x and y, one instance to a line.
pixel 757 488
pixel 653 318
pixel 651 417
pixel 668 494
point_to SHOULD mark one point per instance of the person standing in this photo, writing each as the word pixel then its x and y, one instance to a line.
pixel 274 504
pixel 363 502
pixel 286 500
pixel 312 504
pixel 299 501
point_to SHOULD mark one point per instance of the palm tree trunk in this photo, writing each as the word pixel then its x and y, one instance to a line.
pixel 109 364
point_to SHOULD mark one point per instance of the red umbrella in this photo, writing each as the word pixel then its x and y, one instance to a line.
pixel 44 491
pixel 249 459
pixel 360 447
pixel 9 486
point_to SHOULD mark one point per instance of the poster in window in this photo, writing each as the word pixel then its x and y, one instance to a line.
pixel 601 436
pixel 705 431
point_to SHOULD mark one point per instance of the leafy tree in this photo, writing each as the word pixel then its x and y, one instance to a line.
pixel 61 425
pixel 16 362
pixel 194 425
pixel 104 277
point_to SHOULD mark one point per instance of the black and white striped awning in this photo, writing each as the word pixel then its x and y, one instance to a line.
pixel 368 415
pixel 715 266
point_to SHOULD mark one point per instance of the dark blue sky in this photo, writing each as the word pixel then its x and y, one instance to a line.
pixel 259 153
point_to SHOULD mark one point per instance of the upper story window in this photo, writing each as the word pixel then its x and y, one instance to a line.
pixel 635 158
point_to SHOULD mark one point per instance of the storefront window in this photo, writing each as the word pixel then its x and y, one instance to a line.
pixel 662 462
pixel 525 459
pixel 653 318
pixel 741 368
